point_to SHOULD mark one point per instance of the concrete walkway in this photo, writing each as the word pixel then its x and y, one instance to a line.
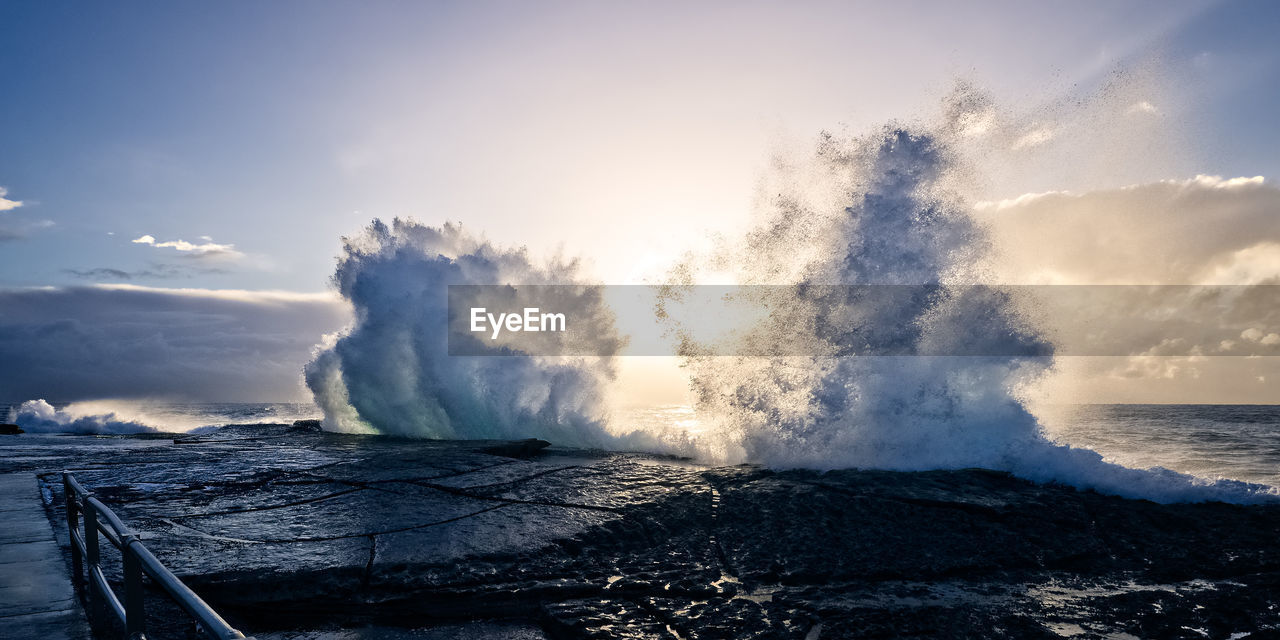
pixel 37 600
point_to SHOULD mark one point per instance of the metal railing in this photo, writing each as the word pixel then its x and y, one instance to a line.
pixel 85 557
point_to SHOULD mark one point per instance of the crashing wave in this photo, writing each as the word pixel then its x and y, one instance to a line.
pixel 38 416
pixel 884 216
pixel 391 373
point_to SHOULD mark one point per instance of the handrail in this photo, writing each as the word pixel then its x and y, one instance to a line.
pixel 137 560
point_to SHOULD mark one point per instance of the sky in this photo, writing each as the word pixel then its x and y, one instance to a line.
pixel 228 147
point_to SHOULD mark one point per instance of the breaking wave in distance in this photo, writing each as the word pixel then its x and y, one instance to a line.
pixel 38 416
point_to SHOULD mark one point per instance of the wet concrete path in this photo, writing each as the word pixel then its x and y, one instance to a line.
pixel 36 596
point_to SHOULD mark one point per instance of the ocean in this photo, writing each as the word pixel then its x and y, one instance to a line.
pixel 1239 442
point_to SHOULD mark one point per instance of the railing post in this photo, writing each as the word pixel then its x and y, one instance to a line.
pixel 73 523
pixel 85 511
pixel 135 622
pixel 96 600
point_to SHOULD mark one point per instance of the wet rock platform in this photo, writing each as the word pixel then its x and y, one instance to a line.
pixel 296 534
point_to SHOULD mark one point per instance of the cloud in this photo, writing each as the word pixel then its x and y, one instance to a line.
pixel 208 248
pixel 126 341
pixel 1205 230
pixel 100 273
pixel 5 203
pixel 18 229
pixel 157 270
pixel 1254 334
pixel 14 229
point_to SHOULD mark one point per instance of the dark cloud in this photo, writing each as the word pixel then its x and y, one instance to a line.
pixel 77 343
pixel 158 271
pixel 101 273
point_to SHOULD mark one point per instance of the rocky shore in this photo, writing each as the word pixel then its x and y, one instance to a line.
pixel 293 533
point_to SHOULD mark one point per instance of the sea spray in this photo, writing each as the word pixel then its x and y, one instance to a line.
pixel 897 227
pixel 391 373
pixel 883 214
pixel 38 416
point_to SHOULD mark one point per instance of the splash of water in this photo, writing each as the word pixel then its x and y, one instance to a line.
pixel 885 215
pixel 38 416
pixel 391 372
